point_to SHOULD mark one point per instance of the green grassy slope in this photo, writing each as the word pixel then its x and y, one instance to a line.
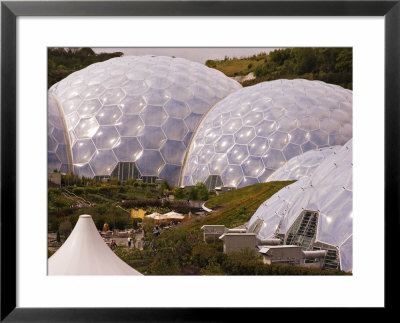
pixel 235 208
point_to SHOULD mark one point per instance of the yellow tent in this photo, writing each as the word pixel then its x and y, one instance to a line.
pixel 138 213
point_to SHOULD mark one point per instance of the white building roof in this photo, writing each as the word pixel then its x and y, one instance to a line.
pixel 85 253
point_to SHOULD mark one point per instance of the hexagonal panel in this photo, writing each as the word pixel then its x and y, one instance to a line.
pixel 287 124
pixel 112 96
pixel 205 154
pixel 152 137
pixel 51 144
pixel 224 143
pixel 154 115
pixel 253 166
pixel 181 78
pixel 175 129
pixel 83 170
pixel 132 104
pixel 329 125
pixel 177 109
pixel 212 135
pixel 71 105
pixel 232 125
pixel 150 163
pixel 82 151
pixel 319 138
pixel 88 108
pixel 114 81
pixel 192 121
pixel 53 162
pixel 103 162
pixel 158 82
pixel 92 92
pixel 156 97
pixel 187 138
pixel 266 128
pixel 130 125
pixel 237 154
pixel 221 119
pixel 198 105
pixel 218 163
pixel 180 93
pixel 253 118
pixel 200 174
pixel 202 91
pixel 128 149
pixel 61 153
pixel 109 115
pixel 171 174
pixel 173 152
pixel 58 135
pixel 232 175
pixel 308 146
pixel 106 137
pixel 72 120
pixel 279 140
pixel 135 87
pixel 292 150
pixel 258 146
pixel 246 181
pixel 86 128
pixel 308 123
pixel 244 135
pixel 274 159
pixel 299 136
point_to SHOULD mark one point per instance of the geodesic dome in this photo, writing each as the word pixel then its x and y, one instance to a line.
pixel 130 116
pixel 256 130
pixel 315 212
pixel 302 165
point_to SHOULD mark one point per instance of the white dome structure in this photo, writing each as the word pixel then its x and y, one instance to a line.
pixel 303 165
pixel 256 130
pixel 130 116
pixel 85 253
pixel 316 212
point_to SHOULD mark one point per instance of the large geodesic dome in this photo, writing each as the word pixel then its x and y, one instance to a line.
pixel 131 116
pixel 256 130
pixel 316 212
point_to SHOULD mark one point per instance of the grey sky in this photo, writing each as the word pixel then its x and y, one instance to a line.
pixel 198 54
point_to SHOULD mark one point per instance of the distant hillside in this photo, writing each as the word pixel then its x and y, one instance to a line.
pixel 331 65
pixel 62 62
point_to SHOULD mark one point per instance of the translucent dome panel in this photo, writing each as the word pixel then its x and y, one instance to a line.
pixel 128 107
pixel 328 191
pixel 57 144
pixel 302 165
pixel 275 121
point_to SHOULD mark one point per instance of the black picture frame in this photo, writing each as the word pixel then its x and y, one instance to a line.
pixel 10 10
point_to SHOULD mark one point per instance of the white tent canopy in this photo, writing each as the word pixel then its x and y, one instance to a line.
pixel 85 253
pixel 174 215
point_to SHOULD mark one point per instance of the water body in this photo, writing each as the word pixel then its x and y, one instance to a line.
pixel 197 54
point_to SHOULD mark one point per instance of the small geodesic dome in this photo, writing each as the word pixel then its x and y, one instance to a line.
pixel 130 116
pixel 315 212
pixel 256 130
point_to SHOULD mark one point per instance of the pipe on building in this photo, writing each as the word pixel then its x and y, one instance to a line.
pixel 269 242
pixel 237 231
pixel 314 254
